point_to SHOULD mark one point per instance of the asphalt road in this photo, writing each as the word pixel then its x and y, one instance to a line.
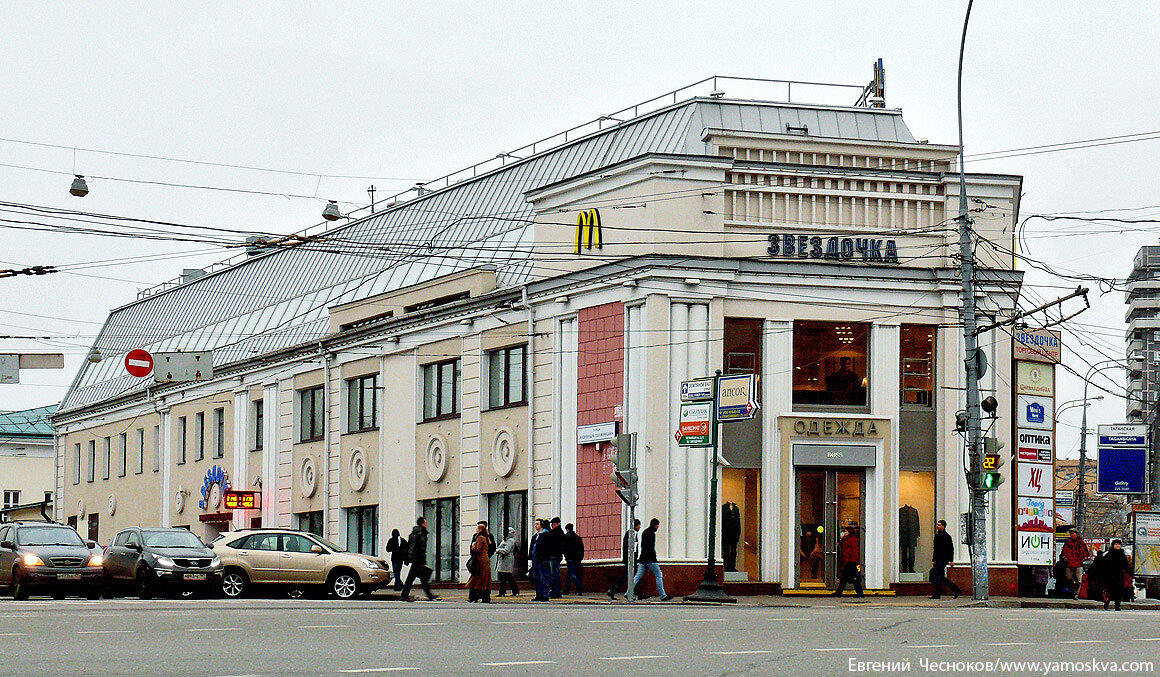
pixel 376 637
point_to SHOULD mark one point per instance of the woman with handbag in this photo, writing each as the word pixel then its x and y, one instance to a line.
pixel 479 566
pixel 849 559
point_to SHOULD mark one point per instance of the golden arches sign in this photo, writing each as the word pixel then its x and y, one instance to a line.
pixel 588 234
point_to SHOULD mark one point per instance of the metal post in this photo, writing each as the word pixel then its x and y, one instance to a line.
pixel 1080 489
pixel 710 589
pixel 629 592
pixel 967 271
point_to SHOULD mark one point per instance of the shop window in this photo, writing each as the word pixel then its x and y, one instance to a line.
pixel 76 463
pixel 362 397
pixel 310 414
pixel 917 351
pixel 362 527
pixel 441 389
pixel 219 433
pixel 259 418
pixel 741 523
pixel 916 521
pixel 443 542
pixel 830 361
pixel 310 521
pixel 92 460
pixel 508 509
pixel 505 383
pixel 199 432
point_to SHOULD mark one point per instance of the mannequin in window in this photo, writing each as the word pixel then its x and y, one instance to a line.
pixel 845 384
pixel 908 533
pixel 811 552
pixel 730 534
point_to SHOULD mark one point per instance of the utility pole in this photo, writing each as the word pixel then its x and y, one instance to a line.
pixel 978 495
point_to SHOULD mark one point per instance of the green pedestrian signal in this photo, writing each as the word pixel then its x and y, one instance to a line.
pixel 991 478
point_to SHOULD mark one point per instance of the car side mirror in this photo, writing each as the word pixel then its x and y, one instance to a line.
pixel 316 549
pixel 8 545
pixel 91 543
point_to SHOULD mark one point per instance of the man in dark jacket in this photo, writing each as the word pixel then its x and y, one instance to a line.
pixel 574 556
pixel 944 554
pixel 418 557
pixel 849 559
pixel 627 556
pixel 541 561
pixel 556 555
pixel 648 559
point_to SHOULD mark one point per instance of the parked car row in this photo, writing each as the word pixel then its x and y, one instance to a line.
pixel 47 558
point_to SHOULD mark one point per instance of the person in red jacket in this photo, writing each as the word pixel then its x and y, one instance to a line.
pixel 849 556
pixel 1074 554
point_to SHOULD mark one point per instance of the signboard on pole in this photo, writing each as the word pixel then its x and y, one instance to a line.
pixel 1036 479
pixel 694 429
pixel 1035 378
pixel 697 390
pixel 1035 514
pixel 1034 446
pixel 1123 459
pixel 1036 412
pixel 1146 549
pixel 1036 345
pixel 736 397
pixel 1036 548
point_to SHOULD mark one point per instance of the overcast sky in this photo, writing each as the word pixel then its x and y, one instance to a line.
pixel 410 91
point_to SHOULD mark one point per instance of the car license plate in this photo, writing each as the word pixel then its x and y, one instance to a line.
pixel 195 577
pixel 68 577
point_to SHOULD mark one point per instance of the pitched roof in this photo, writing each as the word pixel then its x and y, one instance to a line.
pixel 280 298
pixel 27 423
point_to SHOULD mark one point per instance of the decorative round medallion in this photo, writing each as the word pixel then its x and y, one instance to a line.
pixel 112 505
pixel 214 497
pixel 503 452
pixel 81 507
pixel 307 477
pixel 179 499
pixel 435 461
pixel 358 470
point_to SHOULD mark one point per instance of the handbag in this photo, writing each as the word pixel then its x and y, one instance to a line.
pixel 472 565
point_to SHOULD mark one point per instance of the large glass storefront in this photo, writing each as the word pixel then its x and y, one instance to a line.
pixel 741 443
pixel 828 500
pixel 831 365
pixel 442 540
pixel 917 452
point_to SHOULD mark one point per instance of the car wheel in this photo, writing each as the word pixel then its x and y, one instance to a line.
pixel 144 584
pixel 19 586
pixel 234 584
pixel 344 585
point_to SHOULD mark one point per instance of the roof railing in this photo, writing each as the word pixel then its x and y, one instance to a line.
pixel 713 84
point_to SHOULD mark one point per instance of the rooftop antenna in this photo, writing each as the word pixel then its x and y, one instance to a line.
pixel 371 192
pixel 874 94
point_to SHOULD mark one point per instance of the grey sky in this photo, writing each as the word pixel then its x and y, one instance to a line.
pixel 410 91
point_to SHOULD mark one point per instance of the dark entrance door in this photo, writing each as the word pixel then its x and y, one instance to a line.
pixel 827 501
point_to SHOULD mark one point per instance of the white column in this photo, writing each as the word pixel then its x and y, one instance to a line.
pixel 777 399
pixel 167 489
pixel 697 479
pixel 241 451
pixel 882 480
pixel 678 468
pixel 270 423
pixel 564 473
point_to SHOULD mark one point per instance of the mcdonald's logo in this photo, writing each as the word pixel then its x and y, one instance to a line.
pixel 588 230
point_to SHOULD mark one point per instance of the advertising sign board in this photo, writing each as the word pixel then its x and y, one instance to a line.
pixel 1036 412
pixel 1123 435
pixel 697 390
pixel 1036 548
pixel 1036 479
pixel 1122 470
pixel 1146 550
pixel 1035 378
pixel 694 429
pixel 1035 445
pixel 1037 345
pixel 1035 514
pixel 736 397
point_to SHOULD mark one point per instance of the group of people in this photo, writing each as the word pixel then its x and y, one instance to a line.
pixel 1109 578
pixel 850 562
pixel 552 546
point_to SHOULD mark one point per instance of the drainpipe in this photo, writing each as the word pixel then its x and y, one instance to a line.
pixel 326 442
pixel 531 510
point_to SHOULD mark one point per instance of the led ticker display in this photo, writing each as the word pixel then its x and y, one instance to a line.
pixel 242 500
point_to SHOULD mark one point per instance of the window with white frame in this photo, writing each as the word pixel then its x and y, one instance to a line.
pixel 76 463
pixel 311 417
pixel 259 418
pixel 108 458
pixel 505 377
pixel 122 454
pixel 140 446
pixel 182 439
pixel 11 498
pixel 441 389
pixel 362 403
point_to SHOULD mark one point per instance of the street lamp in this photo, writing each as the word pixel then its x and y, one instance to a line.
pixel 1081 488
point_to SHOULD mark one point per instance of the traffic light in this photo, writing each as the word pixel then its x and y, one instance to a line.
pixel 626 486
pixel 991 478
pixel 625 473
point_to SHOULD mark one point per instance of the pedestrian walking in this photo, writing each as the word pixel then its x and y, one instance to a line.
pixel 944 554
pixel 1075 552
pixel 574 558
pixel 556 555
pixel 627 552
pixel 505 563
pixel 397 549
pixel 417 554
pixel 479 565
pixel 1117 575
pixel 849 559
pixel 541 567
pixel 648 559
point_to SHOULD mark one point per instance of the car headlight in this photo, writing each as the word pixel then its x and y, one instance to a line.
pixel 369 563
pixel 31 560
pixel 217 562
pixel 166 563
pixel 96 561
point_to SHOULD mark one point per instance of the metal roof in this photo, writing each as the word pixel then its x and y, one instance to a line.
pixel 27 423
pixel 280 298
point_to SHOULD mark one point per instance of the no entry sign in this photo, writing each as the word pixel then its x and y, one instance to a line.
pixel 139 363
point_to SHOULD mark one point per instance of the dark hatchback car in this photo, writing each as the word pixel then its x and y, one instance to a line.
pixel 153 561
pixel 40 557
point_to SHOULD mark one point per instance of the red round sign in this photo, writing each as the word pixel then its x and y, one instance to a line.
pixel 139 363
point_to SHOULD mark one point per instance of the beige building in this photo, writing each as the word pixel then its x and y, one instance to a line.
pixel 466 352
pixel 27 474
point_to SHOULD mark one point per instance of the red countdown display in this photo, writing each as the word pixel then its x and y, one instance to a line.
pixel 242 500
